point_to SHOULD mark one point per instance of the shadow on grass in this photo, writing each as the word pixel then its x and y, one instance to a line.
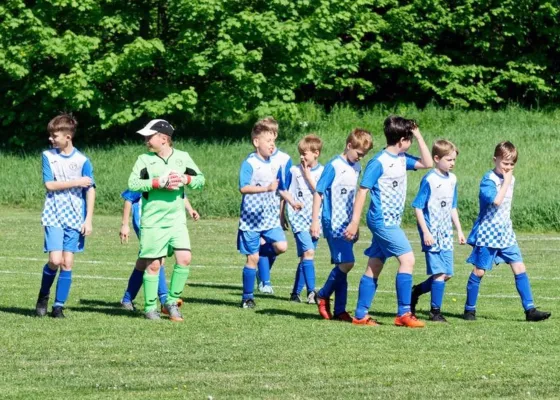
pixel 211 302
pixel 104 307
pixel 275 312
pixel 214 286
pixel 27 312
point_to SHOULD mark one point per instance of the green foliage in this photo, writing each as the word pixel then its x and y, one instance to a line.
pixel 114 63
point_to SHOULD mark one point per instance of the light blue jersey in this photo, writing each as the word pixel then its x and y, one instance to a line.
pixel 300 220
pixel 493 227
pixel 436 198
pixel 338 187
pixel 385 177
pixel 259 211
pixel 65 208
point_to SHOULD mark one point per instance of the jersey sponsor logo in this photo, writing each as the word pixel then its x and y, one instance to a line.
pixel 300 193
pixel 179 163
pixel 343 191
pixel 395 184
pixel 258 184
pixel 73 166
pixel 443 204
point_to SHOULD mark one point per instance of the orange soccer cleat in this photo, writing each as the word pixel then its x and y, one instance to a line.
pixel 324 306
pixel 343 316
pixel 409 320
pixel 367 321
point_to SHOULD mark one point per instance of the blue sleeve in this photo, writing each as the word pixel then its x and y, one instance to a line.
pixel 423 195
pixel 410 161
pixel 373 172
pixel 47 171
pixel 87 170
pixel 488 192
pixel 287 167
pixel 287 181
pixel 455 196
pixel 245 174
pixel 326 179
pixel 131 196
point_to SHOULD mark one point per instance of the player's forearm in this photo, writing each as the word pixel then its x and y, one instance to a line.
pixel 253 189
pixel 54 186
pixel 425 154
pixel 139 185
pixel 359 202
pixel 126 212
pixel 287 197
pixel 501 194
pixel 90 203
pixel 317 199
pixel 421 220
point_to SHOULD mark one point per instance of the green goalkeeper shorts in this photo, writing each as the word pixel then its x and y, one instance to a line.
pixel 162 242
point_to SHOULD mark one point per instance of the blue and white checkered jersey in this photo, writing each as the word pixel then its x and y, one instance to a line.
pixel 65 208
pixel 135 198
pixel 259 211
pixel 300 220
pixel 385 177
pixel 337 184
pixel 283 162
pixel 493 227
pixel 436 198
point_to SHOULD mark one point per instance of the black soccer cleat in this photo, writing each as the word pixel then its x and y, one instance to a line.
pixel 57 312
pixel 435 315
pixel 296 298
pixel 534 315
pixel 42 305
pixel 469 315
pixel 414 298
pixel 249 303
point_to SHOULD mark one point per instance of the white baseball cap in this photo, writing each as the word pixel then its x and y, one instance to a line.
pixel 155 126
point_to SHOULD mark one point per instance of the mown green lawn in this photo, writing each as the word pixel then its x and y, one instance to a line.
pixel 280 350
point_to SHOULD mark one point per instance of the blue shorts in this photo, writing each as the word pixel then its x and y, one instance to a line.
pixel 342 251
pixel 249 242
pixel 63 239
pixel 439 262
pixel 486 257
pixel 388 242
pixel 305 242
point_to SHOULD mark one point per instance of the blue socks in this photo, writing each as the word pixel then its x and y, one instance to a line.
pixel 299 280
pixel 438 288
pixel 426 286
pixel 473 285
pixel 62 288
pixel 341 295
pixel 162 286
pixel 264 270
pixel 249 275
pixel 524 289
pixel 308 268
pixel 332 281
pixel 403 285
pixel 134 285
pixel 366 292
pixel 47 280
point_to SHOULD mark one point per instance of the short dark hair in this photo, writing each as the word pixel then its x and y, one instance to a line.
pixel 397 128
pixel 63 122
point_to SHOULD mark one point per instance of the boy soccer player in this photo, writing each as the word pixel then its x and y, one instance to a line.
pixel 67 213
pixel 385 179
pixel 301 181
pixel 132 202
pixel 435 206
pixel 336 190
pixel 267 256
pixel 161 175
pixel 492 235
pixel 259 219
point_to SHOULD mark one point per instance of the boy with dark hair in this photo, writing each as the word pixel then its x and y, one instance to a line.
pixel 492 235
pixel 67 213
pixel 385 179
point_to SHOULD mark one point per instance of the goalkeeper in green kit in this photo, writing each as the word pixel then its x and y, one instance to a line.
pixel 162 175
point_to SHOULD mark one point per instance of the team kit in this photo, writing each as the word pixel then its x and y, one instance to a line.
pixel 310 199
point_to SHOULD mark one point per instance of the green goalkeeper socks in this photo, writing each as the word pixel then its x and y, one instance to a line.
pixel 178 281
pixel 150 291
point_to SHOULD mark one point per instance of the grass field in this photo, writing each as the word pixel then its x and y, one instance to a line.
pixel 280 350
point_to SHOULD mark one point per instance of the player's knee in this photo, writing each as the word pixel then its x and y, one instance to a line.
pixel 55 262
pixel 346 267
pixel 253 260
pixel 184 259
pixel 479 272
pixel 309 254
pixel 280 247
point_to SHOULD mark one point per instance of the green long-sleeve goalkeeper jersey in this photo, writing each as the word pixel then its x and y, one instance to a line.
pixel 160 207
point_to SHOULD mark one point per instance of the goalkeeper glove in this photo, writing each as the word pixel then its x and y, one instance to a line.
pixel 169 181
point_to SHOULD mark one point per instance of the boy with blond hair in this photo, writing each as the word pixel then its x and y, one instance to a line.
pixel 435 206
pixel 161 175
pixel 300 183
pixel 267 254
pixel 67 213
pixel 385 179
pixel 259 219
pixel 335 192
pixel 492 235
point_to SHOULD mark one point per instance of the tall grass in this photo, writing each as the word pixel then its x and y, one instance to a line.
pixel 535 133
